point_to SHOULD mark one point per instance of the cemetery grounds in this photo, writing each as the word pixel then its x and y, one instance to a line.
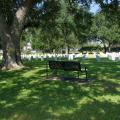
pixel 27 95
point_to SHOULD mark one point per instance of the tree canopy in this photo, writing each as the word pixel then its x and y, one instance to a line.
pixel 59 21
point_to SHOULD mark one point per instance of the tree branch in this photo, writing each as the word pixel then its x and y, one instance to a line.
pixel 23 10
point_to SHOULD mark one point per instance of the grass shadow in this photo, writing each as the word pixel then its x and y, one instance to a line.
pixel 27 95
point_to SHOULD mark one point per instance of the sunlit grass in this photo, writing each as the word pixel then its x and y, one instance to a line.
pixel 27 95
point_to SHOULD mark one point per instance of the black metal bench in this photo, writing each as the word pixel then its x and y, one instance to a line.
pixel 67 66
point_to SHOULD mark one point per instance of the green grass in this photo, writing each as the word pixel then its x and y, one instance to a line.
pixel 27 95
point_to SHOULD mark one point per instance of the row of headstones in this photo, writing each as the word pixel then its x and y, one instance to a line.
pixel 58 56
pixel 113 56
pixel 97 56
pixel 50 56
pixel 110 56
pixel 47 56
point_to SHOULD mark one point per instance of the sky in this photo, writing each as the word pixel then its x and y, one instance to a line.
pixel 94 8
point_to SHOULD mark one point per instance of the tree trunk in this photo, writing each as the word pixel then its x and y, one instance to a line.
pixel 66 44
pixel 105 48
pixel 9 58
pixel 109 47
pixel 10 36
pixel 11 49
pixel 16 41
pixel 9 54
pixel 67 49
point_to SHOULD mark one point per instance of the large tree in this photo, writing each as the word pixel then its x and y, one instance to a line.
pixel 12 20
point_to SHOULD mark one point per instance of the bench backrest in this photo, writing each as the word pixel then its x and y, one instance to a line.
pixel 55 65
pixel 65 65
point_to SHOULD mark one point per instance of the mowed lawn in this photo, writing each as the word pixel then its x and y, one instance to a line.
pixel 27 95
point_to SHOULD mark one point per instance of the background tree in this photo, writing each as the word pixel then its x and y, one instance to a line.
pixel 83 22
pixel 59 31
pixel 105 30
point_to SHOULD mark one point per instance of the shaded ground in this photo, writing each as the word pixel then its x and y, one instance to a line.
pixel 27 95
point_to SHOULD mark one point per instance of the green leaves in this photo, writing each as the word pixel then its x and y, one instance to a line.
pixel 61 25
pixel 105 30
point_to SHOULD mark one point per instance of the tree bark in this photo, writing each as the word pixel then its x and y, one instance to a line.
pixel 104 46
pixel 10 36
pixel 9 53
pixel 67 49
pixel 109 46
pixel 8 46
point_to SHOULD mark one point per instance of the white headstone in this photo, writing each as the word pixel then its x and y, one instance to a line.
pixel 97 57
pixel 84 56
